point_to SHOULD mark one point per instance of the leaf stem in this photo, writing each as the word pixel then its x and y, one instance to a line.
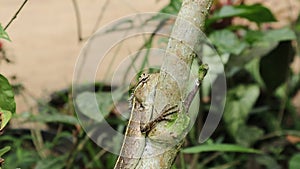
pixel 77 15
pixel 16 14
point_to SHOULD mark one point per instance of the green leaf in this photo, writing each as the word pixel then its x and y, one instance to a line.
pixel 283 34
pixel 274 67
pixel 268 161
pixel 260 43
pixel 57 163
pixel 297 31
pixel 21 157
pixel 97 108
pixel 5 116
pixel 54 118
pixel 247 135
pixel 3 34
pixel 253 69
pixel 89 106
pixel 294 162
pixel 227 42
pixel 253 36
pixel 173 7
pixel 219 148
pixel 270 36
pixel 7 101
pixel 256 13
pixel 258 47
pixel 240 101
pixel 4 150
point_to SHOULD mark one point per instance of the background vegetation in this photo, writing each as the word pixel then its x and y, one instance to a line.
pixel 260 126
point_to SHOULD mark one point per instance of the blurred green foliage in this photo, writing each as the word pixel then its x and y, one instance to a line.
pixel 3 34
pixel 259 115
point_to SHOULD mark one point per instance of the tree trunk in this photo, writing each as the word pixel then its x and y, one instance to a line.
pixel 162 144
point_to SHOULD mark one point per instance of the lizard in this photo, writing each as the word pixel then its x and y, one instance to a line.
pixel 144 131
pixel 142 100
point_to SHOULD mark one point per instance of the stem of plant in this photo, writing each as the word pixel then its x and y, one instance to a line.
pixel 15 15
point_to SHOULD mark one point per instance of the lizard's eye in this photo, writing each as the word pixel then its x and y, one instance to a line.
pixel 143 76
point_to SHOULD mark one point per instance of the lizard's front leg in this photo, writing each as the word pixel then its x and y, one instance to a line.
pixel 169 110
pixel 166 112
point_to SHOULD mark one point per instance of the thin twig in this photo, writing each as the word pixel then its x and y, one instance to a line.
pixel 96 157
pixel 16 14
pixel 78 20
pixel 103 9
pixel 194 160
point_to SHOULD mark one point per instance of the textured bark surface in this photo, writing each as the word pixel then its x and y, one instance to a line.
pixel 184 42
pixel 175 71
pixel 163 143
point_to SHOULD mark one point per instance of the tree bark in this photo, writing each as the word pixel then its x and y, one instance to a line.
pixel 184 41
pixel 171 88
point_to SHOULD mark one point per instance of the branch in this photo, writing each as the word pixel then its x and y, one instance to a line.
pixel 160 101
pixel 16 14
pixel 77 15
pixel 78 19
pixel 185 40
pixel 174 75
pixel 100 17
